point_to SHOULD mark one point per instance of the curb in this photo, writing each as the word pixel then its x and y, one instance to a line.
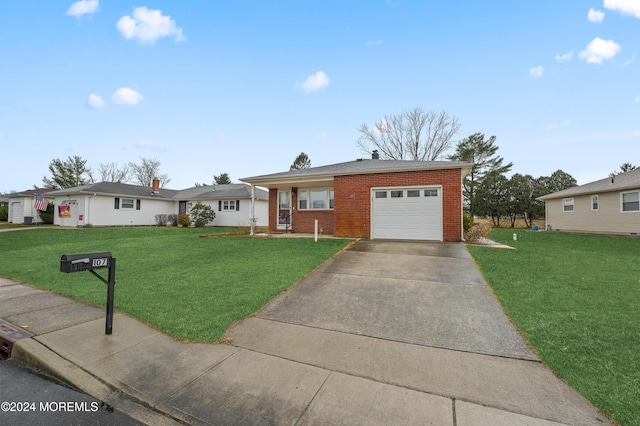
pixel 32 353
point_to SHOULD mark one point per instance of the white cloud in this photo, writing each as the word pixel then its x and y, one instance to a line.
pixel 595 16
pixel 637 99
pixel 599 50
pixel 314 82
pixel 126 96
pixel 373 43
pixel 148 25
pixel 149 146
pixel 83 7
pixel 626 7
pixel 536 72
pixel 555 124
pixel 564 57
pixel 322 135
pixel 95 101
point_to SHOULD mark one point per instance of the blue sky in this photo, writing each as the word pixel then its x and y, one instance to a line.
pixel 243 87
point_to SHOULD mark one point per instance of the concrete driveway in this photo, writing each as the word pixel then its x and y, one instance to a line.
pixel 417 316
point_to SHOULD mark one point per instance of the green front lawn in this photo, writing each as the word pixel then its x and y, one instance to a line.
pixel 190 287
pixel 576 298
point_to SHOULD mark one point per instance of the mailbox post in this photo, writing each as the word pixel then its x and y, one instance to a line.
pixel 90 262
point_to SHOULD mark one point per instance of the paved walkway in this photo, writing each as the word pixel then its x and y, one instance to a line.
pixel 383 333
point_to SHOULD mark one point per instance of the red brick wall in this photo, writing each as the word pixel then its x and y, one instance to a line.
pixel 352 200
pixel 352 203
pixel 302 221
pixel 273 209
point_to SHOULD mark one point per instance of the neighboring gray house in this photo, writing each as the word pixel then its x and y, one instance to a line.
pixel 606 206
pixel 119 204
pixel 21 209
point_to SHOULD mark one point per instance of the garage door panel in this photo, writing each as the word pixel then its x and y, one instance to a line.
pixel 407 213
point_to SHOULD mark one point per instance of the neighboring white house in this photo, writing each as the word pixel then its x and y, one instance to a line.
pixel 21 206
pixel 119 204
pixel 232 203
pixel 606 206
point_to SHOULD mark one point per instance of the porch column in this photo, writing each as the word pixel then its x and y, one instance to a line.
pixel 252 219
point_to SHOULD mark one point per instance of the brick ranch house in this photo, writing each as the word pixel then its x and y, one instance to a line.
pixel 369 198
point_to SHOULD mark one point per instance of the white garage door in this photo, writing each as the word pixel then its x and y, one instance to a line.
pixel 16 212
pixel 407 213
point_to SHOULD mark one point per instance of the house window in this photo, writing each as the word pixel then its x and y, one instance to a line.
pixel 396 194
pixel 302 200
pixel 430 192
pixel 630 201
pixel 315 199
pixel 413 193
pixel 567 205
pixel 228 205
pixel 595 203
pixel 127 203
pixel 381 194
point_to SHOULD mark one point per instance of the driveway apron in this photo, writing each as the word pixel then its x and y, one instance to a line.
pixel 428 294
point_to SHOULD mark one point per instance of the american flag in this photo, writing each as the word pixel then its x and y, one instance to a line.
pixel 40 203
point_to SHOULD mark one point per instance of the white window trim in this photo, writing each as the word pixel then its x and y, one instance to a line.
pixel 573 205
pixel 122 204
pixel 307 191
pixel 597 196
pixel 621 199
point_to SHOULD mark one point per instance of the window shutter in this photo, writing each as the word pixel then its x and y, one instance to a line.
pixel 137 204
pixel 219 205
pixel 237 205
pixel 117 203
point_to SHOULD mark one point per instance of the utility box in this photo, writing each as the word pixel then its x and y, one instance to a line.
pixel 85 261
pixel 9 334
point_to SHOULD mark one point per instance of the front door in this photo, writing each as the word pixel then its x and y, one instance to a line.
pixel 284 210
pixel 182 207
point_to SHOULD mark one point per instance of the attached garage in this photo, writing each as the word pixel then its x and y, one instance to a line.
pixel 370 198
pixel 16 212
pixel 406 213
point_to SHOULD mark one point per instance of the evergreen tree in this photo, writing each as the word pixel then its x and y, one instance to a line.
pixel 222 179
pixel 302 161
pixel 69 173
pixel 482 153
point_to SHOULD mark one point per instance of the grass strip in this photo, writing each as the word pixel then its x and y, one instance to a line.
pixel 192 288
pixel 576 298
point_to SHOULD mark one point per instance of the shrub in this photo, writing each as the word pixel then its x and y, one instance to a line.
pixel 47 216
pixel 184 220
pixel 162 219
pixel 477 232
pixel 467 222
pixel 4 213
pixel 202 215
pixel 173 219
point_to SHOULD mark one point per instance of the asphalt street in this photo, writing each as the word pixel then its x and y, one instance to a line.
pixel 29 398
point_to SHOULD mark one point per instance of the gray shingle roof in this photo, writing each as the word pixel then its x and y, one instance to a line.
pixel 361 166
pixel 220 192
pixel 114 188
pixel 213 192
pixel 621 182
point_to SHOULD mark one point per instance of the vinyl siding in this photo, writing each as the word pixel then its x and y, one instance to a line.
pixel 607 220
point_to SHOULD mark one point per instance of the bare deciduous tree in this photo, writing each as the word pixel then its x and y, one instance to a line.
pixel 415 134
pixel 146 171
pixel 109 172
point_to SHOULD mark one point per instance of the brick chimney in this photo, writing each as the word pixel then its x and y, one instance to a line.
pixel 375 155
pixel 156 185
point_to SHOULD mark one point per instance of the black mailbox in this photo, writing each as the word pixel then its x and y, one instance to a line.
pixel 85 261
pixel 90 262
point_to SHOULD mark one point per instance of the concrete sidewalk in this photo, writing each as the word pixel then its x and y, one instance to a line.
pixel 383 333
